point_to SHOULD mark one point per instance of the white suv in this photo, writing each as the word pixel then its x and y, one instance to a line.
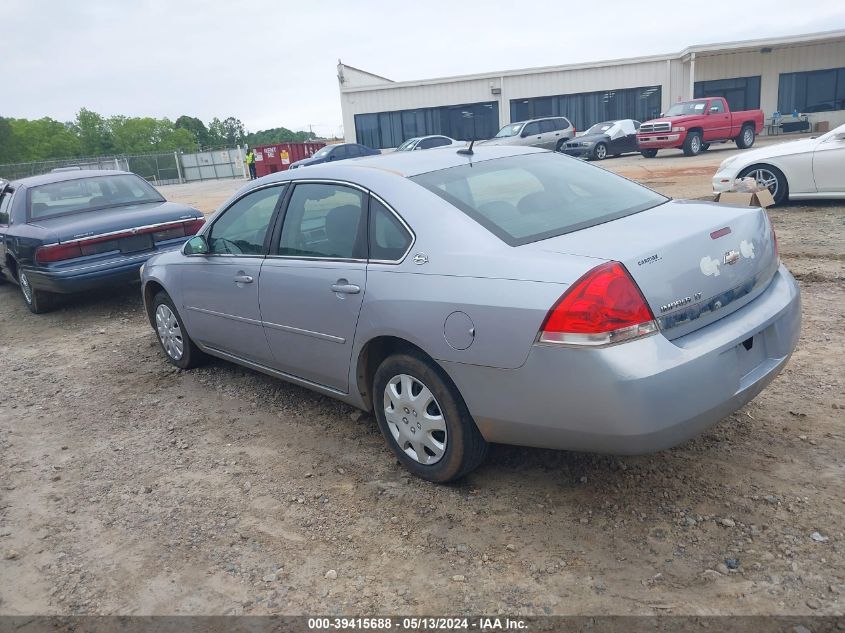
pixel 549 133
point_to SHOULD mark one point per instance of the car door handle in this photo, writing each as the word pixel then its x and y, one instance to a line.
pixel 345 287
pixel 243 279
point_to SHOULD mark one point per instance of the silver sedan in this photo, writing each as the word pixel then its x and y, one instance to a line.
pixel 498 294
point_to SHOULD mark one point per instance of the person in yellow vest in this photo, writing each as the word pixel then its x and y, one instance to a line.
pixel 250 163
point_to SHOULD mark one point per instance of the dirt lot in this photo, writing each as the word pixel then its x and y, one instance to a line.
pixel 127 487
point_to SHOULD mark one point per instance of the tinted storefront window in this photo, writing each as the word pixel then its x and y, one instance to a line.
pixel 741 93
pixel 471 121
pixel 586 108
pixel 815 91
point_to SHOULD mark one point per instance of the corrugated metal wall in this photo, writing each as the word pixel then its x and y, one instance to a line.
pixel 673 75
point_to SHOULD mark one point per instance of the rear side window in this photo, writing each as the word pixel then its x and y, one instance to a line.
pixel 523 199
pixel 389 239
pixel 548 125
pixel 561 124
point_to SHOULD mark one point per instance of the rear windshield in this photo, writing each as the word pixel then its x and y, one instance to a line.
pixel 527 198
pixel 89 194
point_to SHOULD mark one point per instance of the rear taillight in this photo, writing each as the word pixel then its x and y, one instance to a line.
pixel 106 243
pixel 603 307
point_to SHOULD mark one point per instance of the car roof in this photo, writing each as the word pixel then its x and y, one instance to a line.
pixel 409 164
pixel 61 176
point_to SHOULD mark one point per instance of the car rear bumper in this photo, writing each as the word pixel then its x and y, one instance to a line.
pixel 83 277
pixel 641 396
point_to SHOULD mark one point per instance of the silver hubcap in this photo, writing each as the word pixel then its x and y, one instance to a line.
pixel 415 419
pixel 169 332
pixel 695 144
pixel 749 136
pixel 601 151
pixel 26 288
pixel 767 179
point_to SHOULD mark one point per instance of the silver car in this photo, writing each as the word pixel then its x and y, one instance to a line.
pixel 494 294
pixel 547 133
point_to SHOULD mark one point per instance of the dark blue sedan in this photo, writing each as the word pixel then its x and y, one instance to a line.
pixel 73 231
pixel 339 151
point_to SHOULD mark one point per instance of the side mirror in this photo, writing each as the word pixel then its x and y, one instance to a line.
pixel 840 136
pixel 197 245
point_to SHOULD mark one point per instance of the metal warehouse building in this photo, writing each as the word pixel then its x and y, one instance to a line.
pixel 804 73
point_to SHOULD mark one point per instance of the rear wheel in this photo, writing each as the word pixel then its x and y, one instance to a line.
pixel 600 151
pixel 649 153
pixel 424 420
pixel 770 177
pixel 37 301
pixel 745 138
pixel 692 144
pixel 178 347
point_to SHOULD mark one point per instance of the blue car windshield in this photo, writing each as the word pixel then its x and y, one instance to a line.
pixel 88 194
pixel 532 197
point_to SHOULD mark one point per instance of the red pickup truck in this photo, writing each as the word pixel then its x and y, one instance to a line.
pixel 693 125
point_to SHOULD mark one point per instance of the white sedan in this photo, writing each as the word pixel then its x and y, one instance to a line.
pixel 806 169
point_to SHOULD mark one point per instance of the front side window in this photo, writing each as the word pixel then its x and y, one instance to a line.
pixel 325 220
pixel 531 197
pixel 5 199
pixel 89 194
pixel 389 239
pixel 242 228
pixel 531 129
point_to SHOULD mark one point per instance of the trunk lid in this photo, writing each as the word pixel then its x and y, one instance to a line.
pixel 694 262
pixel 90 223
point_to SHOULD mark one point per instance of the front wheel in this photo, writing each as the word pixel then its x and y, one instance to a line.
pixel 692 144
pixel 424 420
pixel 559 146
pixel 649 153
pixel 746 137
pixel 600 151
pixel 770 177
pixel 178 347
pixel 38 301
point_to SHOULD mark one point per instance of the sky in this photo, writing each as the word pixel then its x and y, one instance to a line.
pixel 272 63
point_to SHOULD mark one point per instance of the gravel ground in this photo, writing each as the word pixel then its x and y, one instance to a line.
pixel 127 487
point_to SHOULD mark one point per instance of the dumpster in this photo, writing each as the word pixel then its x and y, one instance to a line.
pixel 278 157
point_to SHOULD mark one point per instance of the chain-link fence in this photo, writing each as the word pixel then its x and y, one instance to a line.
pixel 159 169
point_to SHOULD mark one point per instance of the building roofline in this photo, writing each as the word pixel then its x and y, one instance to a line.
pixel 726 47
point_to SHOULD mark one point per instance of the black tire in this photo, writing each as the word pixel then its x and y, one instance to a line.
pixel 559 146
pixel 191 356
pixel 649 153
pixel 465 448
pixel 38 301
pixel 705 147
pixel 692 144
pixel 746 137
pixel 781 189
pixel 599 151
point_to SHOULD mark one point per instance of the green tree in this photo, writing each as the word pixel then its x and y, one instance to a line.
pixel 94 134
pixel 6 140
pixel 195 127
pixel 42 139
pixel 278 135
pixel 228 132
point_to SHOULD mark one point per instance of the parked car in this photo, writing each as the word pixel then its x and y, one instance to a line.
pixel 805 169
pixel 548 133
pixel 693 125
pixel 498 294
pixel 427 142
pixel 610 138
pixel 331 153
pixel 67 232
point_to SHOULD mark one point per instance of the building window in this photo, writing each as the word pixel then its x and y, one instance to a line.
pixel 814 91
pixel 741 93
pixel 586 108
pixel 471 121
